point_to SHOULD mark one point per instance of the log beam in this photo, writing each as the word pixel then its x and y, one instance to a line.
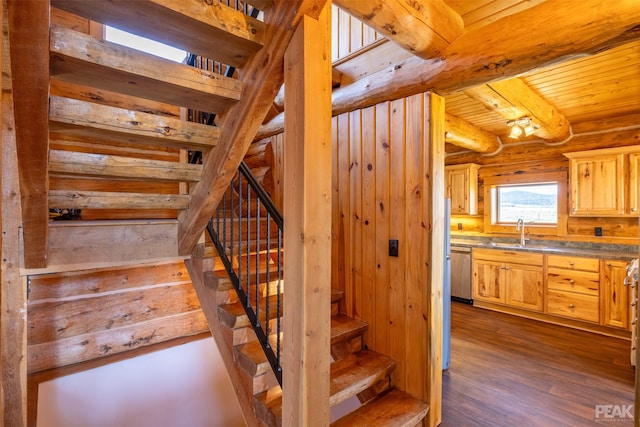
pixel 264 75
pixel 457 132
pixel 422 27
pixel 29 49
pixel 466 135
pixel 513 99
pixel 503 49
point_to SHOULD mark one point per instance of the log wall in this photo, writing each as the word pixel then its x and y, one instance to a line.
pixel 79 316
pixel 537 158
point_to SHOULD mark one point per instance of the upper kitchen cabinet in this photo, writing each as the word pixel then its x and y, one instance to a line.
pixel 461 186
pixel 599 182
pixel 634 161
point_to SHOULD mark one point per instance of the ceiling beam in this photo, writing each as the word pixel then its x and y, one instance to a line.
pixel 457 132
pixel 465 135
pixel 503 49
pixel 422 27
pixel 513 99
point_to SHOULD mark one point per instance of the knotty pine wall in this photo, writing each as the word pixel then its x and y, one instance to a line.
pixel 349 34
pixel 539 157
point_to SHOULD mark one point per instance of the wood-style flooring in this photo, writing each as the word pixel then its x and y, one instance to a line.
pixel 510 371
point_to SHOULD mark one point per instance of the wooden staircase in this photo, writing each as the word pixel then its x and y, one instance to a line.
pixel 103 132
pixel 355 370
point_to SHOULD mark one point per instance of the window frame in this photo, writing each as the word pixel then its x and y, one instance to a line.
pixel 490 212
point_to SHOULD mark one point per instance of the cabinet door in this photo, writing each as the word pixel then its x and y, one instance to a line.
pixel 524 286
pixel 488 281
pixel 597 185
pixel 457 189
pixel 615 295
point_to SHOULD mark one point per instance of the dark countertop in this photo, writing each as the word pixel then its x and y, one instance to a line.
pixel 587 249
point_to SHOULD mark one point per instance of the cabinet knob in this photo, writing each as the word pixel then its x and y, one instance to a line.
pixel 571 281
pixel 633 209
pixel 608 264
pixel 572 306
pixel 571 263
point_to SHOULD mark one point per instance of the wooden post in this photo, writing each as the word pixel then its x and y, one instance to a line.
pixel 13 298
pixel 307 213
pixel 434 127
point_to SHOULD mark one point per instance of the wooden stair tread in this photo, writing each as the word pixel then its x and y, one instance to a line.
pixel 394 408
pixel 252 359
pixel 64 199
pixel 81 118
pixel 71 163
pixel 336 295
pixel 349 376
pixel 82 59
pixel 215 31
pixel 219 280
pixel 233 315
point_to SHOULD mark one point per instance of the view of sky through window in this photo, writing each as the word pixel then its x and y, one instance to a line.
pixel 140 43
pixel 536 203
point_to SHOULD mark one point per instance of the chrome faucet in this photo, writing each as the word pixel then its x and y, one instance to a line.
pixel 520 228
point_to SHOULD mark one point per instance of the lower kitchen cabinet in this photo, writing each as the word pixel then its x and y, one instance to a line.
pixel 573 287
pixel 615 295
pixel 518 282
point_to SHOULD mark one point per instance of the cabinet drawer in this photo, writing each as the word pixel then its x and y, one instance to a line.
pixel 570 304
pixel 573 263
pixel 508 257
pixel 583 282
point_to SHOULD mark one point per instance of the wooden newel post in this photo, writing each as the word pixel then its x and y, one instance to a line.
pixel 307 213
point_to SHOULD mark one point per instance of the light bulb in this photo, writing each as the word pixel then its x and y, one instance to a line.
pixel 529 130
pixel 516 131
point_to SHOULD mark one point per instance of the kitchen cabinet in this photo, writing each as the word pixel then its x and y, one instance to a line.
pixel 461 186
pixel 615 295
pixel 573 287
pixel 517 282
pixel 604 182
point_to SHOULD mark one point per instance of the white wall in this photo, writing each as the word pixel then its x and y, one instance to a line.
pixel 185 385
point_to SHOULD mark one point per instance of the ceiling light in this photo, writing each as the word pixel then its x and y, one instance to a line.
pixel 520 126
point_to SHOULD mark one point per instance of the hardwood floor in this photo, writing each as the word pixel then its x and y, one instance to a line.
pixel 510 371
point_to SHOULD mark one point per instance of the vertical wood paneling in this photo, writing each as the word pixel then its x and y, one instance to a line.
pixel 355 210
pixel 349 34
pixel 387 195
pixel 415 277
pixel 382 283
pixel 397 291
pixel 344 33
pixel 336 271
pixel 368 220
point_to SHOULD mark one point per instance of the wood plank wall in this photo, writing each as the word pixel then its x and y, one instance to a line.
pixel 349 34
pixel 537 158
pixel 381 192
pixel 75 317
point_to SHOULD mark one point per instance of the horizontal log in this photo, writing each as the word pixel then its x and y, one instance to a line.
pixel 106 166
pixel 206 28
pixel 92 283
pixel 513 99
pixel 502 49
pixel 113 341
pixel 424 28
pixel 74 117
pixel 81 59
pixel 58 320
pixel 466 135
pixel 61 199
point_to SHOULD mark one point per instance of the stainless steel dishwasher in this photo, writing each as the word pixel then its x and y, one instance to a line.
pixel 461 274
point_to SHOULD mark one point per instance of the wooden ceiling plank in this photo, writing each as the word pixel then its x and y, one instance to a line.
pixel 496 10
pixel 62 199
pixel 513 99
pixel 503 49
pixel 210 29
pixel 28 40
pixel 108 166
pixel 424 28
pixel 264 73
pixel 463 134
pixel 82 59
pixel 76 117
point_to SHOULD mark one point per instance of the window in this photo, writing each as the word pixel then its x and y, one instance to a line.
pixel 146 45
pixel 540 199
pixel 532 202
